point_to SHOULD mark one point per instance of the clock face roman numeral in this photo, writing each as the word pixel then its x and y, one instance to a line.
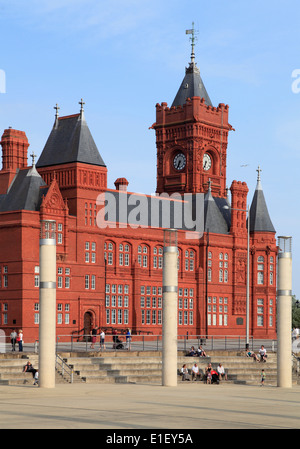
pixel 179 161
pixel 206 162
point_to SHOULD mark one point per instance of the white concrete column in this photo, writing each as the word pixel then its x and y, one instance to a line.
pixel 284 313
pixel 170 299
pixel 47 325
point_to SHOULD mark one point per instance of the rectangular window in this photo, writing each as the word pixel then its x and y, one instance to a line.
pixel 107 316
pixel 119 316
pixel 260 320
pixel 113 316
pixel 153 316
pixel 125 316
pixel 113 300
pixel 59 318
pixel 87 281
pixel 185 318
pixel 93 282
pixel 36 318
pixel 67 318
pixel 36 280
pixel 67 282
pixel 107 300
pixel 159 317
pixel 59 282
pixel 120 300
pixel 180 317
pixel 148 317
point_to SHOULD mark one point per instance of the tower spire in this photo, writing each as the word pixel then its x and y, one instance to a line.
pixel 193 39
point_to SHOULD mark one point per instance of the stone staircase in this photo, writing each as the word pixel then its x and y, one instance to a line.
pixel 11 367
pixel 146 367
pixel 139 367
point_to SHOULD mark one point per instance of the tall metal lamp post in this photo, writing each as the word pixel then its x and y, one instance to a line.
pixel 248 273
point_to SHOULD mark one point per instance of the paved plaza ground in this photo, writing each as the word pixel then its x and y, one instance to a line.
pixel 135 407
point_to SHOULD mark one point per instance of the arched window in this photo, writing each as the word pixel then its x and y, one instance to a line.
pixel 124 255
pixel 109 252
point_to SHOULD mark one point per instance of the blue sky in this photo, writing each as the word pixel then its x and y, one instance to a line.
pixel 123 57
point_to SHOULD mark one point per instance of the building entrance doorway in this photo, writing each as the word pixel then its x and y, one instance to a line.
pixel 88 322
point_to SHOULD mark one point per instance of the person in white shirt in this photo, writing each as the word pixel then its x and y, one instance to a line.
pixel 102 340
pixel 221 372
pixel 195 371
pixel 263 354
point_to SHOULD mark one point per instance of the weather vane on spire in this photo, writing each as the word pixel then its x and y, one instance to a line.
pixel 33 156
pixel 258 171
pixel 56 107
pixel 81 102
pixel 193 39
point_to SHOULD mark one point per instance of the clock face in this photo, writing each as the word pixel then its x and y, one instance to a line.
pixel 179 161
pixel 206 161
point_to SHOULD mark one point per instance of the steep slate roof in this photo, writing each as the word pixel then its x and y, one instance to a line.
pixel 191 86
pixel 259 216
pixel 70 141
pixel 24 193
pixel 216 217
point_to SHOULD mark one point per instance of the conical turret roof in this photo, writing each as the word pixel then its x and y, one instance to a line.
pixel 259 216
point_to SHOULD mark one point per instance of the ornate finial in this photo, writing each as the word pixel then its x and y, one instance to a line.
pixel 81 102
pixel 56 107
pixel 193 40
pixel 258 171
pixel 33 156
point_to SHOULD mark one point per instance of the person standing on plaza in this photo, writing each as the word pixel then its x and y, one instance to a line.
pixel 263 378
pixel 20 340
pixel 93 337
pixel 102 340
pixel 13 339
pixel 128 339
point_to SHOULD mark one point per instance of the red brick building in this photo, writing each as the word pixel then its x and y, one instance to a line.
pixel 112 276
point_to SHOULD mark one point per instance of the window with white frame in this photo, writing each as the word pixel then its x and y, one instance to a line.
pixel 260 270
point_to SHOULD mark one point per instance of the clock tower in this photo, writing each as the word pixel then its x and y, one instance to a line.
pixel 191 138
